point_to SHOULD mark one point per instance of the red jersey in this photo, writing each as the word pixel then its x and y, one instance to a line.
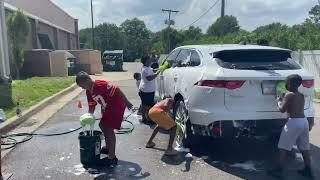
pixel 112 105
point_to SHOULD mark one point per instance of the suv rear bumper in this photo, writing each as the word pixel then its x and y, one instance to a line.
pixel 206 117
pixel 236 128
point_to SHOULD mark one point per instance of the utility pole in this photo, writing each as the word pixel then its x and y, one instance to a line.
pixel 223 4
pixel 92 26
pixel 169 22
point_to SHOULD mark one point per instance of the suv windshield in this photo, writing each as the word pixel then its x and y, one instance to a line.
pixel 112 57
pixel 256 60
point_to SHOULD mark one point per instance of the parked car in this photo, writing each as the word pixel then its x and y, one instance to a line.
pixel 112 60
pixel 229 90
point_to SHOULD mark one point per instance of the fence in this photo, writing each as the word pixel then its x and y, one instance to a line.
pixel 310 60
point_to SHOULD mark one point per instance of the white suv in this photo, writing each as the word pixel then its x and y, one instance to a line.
pixel 230 90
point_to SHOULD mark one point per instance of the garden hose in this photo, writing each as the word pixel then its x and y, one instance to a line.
pixel 11 142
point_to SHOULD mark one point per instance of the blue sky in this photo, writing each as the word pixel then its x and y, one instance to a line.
pixel 250 13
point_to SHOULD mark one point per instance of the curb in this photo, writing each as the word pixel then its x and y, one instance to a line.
pixel 13 122
pixel 316 100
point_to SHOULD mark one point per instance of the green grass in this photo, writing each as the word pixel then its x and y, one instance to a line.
pixel 29 92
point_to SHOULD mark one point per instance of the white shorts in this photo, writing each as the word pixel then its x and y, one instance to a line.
pixel 296 131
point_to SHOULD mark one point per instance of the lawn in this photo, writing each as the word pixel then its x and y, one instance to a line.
pixel 29 92
pixel 317 94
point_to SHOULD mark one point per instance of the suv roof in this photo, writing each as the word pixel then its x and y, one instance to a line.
pixel 211 48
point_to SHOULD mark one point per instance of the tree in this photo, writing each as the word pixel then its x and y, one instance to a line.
pixel 176 37
pixel 314 14
pixel 109 37
pixel 223 26
pixel 193 33
pixel 18 30
pixel 137 38
pixel 85 38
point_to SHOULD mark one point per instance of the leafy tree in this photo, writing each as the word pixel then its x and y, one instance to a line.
pixel 86 38
pixel 223 26
pixel 193 33
pixel 175 37
pixel 18 30
pixel 157 43
pixel 314 14
pixel 109 37
pixel 137 37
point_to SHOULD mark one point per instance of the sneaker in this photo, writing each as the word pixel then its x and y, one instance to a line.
pixel 171 152
pixel 306 172
pixel 104 150
pixel 110 162
pixel 150 145
pixel 276 172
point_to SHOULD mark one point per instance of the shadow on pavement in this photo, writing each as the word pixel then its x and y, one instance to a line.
pixel 124 170
pixel 249 158
pixel 177 160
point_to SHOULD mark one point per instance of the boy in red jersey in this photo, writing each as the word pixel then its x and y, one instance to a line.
pixel 113 103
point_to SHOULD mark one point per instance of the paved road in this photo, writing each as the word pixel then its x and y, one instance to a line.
pixel 58 157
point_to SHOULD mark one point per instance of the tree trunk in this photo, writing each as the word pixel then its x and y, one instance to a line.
pixel 17 71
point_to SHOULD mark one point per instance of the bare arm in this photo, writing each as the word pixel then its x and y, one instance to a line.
pixel 125 99
pixel 152 77
pixel 284 104
pixel 91 103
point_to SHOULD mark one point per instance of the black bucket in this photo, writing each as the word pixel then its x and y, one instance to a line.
pixel 90 147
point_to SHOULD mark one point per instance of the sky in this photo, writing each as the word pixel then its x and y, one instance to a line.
pixel 250 13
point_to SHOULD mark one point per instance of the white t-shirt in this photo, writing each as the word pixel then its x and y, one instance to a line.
pixel 145 85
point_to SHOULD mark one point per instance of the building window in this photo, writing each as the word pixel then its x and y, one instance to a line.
pixel 45 41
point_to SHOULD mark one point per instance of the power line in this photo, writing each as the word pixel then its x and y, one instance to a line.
pixel 202 14
pixel 169 22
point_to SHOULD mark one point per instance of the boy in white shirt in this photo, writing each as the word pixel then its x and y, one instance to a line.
pixel 147 87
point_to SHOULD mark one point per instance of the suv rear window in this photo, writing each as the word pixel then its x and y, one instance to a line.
pixel 256 59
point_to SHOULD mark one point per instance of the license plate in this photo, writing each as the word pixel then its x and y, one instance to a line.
pixel 268 87
pixel 112 63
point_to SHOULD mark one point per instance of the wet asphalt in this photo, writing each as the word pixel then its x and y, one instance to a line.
pixel 57 157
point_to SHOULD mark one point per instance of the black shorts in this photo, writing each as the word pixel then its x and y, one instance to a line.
pixel 147 99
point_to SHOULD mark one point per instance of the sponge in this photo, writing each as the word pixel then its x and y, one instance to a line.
pixel 164 66
pixel 87 119
pixel 281 89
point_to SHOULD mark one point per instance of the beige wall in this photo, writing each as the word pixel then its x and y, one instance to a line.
pixel 62 40
pixel 47 10
pixel 45 29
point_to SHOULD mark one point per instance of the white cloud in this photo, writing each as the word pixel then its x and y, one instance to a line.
pixel 250 13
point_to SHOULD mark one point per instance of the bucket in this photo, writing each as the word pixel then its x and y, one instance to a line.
pixel 90 147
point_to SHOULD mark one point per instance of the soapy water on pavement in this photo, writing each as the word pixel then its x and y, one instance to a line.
pixel 48 177
pixel 180 148
pixel 78 169
pixel 189 155
pixel 62 158
pixel 248 165
pixel 204 157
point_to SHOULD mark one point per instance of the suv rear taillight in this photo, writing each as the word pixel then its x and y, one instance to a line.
pixel 308 83
pixel 221 84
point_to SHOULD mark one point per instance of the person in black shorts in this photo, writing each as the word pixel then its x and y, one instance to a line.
pixel 147 87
